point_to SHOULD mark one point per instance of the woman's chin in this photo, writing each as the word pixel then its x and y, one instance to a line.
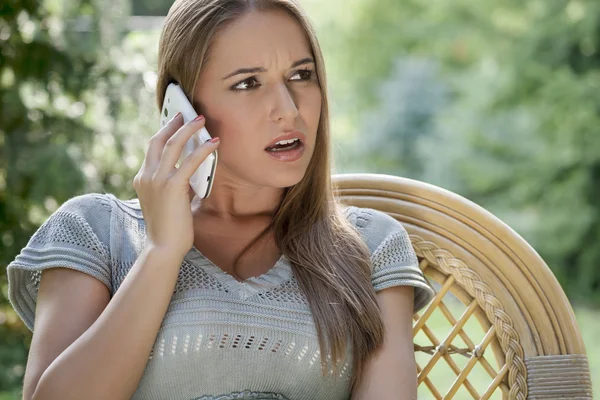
pixel 278 177
pixel 284 180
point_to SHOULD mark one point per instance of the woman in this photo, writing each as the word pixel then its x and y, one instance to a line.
pixel 269 288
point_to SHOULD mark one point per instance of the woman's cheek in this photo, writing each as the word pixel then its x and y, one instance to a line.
pixel 225 122
pixel 312 114
pixel 239 114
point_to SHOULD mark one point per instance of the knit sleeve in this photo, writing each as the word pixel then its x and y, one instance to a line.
pixel 76 236
pixel 393 258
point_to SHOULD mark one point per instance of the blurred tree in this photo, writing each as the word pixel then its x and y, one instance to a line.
pixel 552 68
pixel 36 169
pixel 523 119
pixel 150 7
pixel 391 136
pixel 60 97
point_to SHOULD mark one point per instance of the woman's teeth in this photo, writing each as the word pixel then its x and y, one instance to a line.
pixel 285 145
pixel 283 142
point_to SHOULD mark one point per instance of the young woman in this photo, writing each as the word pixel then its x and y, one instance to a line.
pixel 267 289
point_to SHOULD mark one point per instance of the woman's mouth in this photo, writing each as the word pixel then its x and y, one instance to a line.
pixel 287 150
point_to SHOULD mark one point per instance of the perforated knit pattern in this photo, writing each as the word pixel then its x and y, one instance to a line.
pixel 395 250
pixel 288 292
pixel 192 277
pixel 73 231
pixel 247 395
pixel 220 338
pixel 120 271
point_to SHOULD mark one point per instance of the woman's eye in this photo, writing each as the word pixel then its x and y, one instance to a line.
pixel 252 83
pixel 306 74
pixel 245 84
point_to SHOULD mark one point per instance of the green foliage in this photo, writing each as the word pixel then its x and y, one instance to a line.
pixel 37 77
pixel 150 7
pixel 392 135
pixel 64 84
pixel 519 134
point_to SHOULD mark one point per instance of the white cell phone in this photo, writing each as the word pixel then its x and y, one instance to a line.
pixel 176 101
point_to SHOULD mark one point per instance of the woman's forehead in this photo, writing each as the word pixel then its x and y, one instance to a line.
pixel 268 39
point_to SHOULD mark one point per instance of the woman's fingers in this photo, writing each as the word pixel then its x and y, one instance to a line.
pixel 193 161
pixel 157 142
pixel 191 192
pixel 173 147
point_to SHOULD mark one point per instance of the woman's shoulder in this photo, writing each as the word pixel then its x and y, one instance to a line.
pixel 101 214
pixel 100 207
pixel 80 215
pixel 130 207
pixel 375 226
pixel 100 220
pixel 87 205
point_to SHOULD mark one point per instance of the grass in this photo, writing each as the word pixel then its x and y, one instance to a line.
pixel 443 377
pixel 589 324
pixel 14 395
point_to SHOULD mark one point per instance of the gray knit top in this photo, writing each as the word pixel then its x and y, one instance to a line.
pixel 220 338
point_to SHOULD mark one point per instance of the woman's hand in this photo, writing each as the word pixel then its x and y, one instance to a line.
pixel 164 191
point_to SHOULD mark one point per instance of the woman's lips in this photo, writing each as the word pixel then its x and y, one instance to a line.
pixel 288 155
pixel 288 136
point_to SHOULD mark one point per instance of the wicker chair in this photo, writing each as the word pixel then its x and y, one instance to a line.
pixel 500 326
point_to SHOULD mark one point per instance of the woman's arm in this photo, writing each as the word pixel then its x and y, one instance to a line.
pixel 76 356
pixel 391 372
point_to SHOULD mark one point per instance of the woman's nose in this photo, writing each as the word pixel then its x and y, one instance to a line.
pixel 284 104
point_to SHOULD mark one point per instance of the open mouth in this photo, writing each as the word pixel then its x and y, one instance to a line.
pixel 285 145
pixel 286 150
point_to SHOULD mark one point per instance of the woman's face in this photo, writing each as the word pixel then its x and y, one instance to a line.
pixel 248 110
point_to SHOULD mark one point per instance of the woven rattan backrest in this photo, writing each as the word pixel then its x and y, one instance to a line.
pixel 500 326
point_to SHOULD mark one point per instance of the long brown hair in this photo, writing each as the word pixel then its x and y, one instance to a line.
pixel 329 259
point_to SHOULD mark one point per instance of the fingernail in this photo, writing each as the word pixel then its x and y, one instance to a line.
pixel 214 140
pixel 199 117
pixel 175 116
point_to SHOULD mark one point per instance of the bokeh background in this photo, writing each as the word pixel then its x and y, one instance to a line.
pixel 498 101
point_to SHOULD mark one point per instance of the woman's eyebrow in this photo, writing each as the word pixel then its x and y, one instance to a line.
pixel 307 60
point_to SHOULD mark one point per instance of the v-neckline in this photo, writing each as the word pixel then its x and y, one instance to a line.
pixel 279 273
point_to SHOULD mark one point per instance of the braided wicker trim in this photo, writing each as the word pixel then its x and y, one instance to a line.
pixel 473 284
pixel 559 377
